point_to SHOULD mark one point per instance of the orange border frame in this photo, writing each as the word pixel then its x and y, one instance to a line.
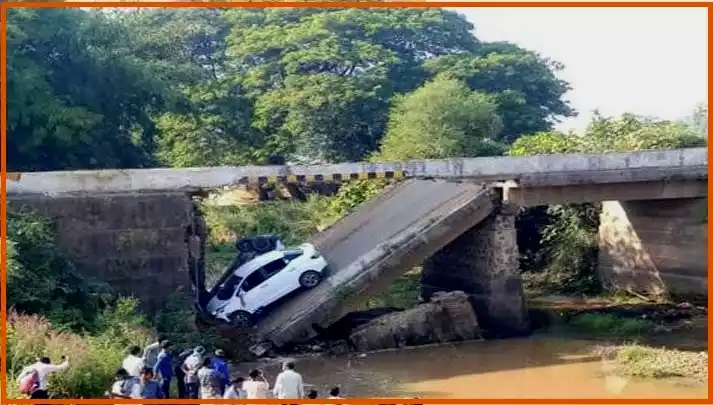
pixel 4 6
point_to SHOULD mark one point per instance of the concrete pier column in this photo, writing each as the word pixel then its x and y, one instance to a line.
pixel 655 247
pixel 483 262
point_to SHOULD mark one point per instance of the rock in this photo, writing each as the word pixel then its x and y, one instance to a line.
pixel 447 317
pixel 342 329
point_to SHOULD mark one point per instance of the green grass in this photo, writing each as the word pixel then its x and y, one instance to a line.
pixel 649 362
pixel 610 325
pixel 403 293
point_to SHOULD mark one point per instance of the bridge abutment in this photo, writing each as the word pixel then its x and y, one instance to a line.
pixel 483 262
pixel 137 243
pixel 655 247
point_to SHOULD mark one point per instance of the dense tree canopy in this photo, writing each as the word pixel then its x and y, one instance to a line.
pixel 186 87
pixel 77 96
pixel 442 119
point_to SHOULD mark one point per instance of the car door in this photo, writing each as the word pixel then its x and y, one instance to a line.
pixel 275 278
pixel 252 291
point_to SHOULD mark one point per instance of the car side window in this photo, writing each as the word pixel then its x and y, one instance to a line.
pixel 253 280
pixel 274 267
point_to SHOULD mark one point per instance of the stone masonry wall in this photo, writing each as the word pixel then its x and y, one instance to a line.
pixel 136 242
pixel 655 247
pixel 483 262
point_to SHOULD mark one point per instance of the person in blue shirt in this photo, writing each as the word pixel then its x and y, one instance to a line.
pixel 164 368
pixel 150 388
pixel 221 366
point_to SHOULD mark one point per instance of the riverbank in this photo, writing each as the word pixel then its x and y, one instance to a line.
pixel 640 338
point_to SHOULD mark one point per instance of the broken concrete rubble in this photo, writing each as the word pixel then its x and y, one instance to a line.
pixel 447 317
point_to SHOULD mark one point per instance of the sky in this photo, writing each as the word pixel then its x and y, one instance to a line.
pixel 647 61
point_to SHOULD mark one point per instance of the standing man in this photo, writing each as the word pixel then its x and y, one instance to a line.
pixel 41 370
pixel 221 367
pixel 209 381
pixel 163 370
pixel 151 352
pixel 190 368
pixel 257 386
pixel 289 383
pixel 132 363
pixel 180 374
pixel 150 388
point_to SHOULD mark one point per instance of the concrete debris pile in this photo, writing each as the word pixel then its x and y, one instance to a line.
pixel 447 317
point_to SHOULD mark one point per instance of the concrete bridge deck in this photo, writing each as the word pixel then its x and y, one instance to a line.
pixel 525 171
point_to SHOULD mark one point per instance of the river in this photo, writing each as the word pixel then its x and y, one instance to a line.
pixel 535 368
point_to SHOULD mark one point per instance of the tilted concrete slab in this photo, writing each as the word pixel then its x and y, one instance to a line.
pixel 370 248
pixel 545 170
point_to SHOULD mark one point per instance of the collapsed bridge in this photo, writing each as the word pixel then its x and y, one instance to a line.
pixel 455 217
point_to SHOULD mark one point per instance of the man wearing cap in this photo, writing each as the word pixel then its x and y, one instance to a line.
pixel 221 367
pixel 190 368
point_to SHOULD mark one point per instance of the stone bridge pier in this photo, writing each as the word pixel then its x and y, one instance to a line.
pixel 655 247
pixel 484 262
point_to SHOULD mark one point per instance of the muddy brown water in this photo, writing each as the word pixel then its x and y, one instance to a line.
pixel 533 368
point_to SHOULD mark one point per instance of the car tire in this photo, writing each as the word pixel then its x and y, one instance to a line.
pixel 310 279
pixel 262 244
pixel 244 246
pixel 241 319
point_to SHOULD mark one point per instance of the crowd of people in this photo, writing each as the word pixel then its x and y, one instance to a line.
pixel 150 373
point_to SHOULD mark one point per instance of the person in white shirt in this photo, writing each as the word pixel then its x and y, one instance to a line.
pixel 43 368
pixel 132 363
pixel 151 352
pixel 289 383
pixel 257 386
pixel 190 368
pixel 235 389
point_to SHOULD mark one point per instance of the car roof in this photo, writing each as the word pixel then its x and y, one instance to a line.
pixel 257 262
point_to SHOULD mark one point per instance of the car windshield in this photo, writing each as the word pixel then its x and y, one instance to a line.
pixel 228 288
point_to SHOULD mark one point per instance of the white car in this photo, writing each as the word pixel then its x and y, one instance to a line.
pixel 264 280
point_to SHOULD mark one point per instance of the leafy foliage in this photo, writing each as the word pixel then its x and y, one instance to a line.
pixel 189 87
pixel 77 98
pixel 41 280
pixel 442 119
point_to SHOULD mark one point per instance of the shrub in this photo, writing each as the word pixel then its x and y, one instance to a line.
pixel 93 358
pixel 41 280
pixel 292 221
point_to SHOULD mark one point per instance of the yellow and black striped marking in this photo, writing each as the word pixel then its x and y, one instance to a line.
pixel 320 178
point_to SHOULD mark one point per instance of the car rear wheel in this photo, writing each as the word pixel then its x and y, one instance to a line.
pixel 241 319
pixel 310 279
pixel 262 244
